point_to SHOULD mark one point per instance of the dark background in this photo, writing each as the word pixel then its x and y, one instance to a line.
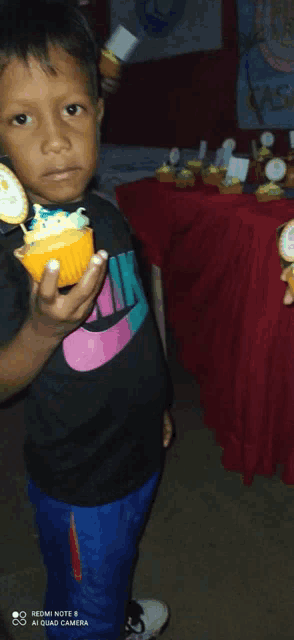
pixel 181 100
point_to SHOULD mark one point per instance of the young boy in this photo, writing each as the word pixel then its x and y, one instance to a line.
pixel 89 356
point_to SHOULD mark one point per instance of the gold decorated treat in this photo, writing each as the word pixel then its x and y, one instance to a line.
pixel 185 178
pixel 57 234
pixel 264 154
pixel 165 173
pixel 194 165
pixel 231 186
pixel 109 64
pixel 268 192
pixel 213 175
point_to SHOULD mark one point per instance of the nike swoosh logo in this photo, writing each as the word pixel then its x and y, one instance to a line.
pixel 88 350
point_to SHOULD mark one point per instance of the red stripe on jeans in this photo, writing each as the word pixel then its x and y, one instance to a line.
pixel 75 550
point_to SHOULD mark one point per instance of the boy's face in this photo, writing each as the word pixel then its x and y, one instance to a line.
pixel 48 123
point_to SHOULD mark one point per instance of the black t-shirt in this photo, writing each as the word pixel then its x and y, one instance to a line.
pixel 94 414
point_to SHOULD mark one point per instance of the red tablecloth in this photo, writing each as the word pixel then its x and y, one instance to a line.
pixel 221 274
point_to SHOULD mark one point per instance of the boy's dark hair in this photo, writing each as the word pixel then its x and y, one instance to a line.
pixel 27 27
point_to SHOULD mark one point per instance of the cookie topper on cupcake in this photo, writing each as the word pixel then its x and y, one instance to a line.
pixel 14 210
pixel 286 242
pixel 14 205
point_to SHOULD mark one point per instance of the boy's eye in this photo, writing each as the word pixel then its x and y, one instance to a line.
pixel 70 106
pixel 21 117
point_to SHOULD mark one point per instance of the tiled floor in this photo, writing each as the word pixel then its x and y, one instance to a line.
pixel 219 554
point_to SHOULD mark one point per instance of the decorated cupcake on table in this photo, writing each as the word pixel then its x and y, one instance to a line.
pixel 118 49
pixel 166 173
pixel 213 175
pixel 235 177
pixel 275 170
pixel 52 233
pixel 109 64
pixel 194 165
pixel 264 154
pixel 185 178
pixel 231 185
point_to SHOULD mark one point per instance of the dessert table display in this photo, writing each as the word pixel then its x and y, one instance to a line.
pixel 221 273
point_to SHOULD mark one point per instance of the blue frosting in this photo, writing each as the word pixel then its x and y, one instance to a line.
pixel 77 217
pixel 45 214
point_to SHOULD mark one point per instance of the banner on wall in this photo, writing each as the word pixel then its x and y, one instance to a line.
pixel 166 28
pixel 265 85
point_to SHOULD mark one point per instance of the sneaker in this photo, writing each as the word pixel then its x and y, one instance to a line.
pixel 145 619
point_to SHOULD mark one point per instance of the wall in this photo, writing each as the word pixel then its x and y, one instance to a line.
pixel 182 100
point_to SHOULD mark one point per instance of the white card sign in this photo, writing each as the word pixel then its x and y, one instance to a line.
pixel 202 150
pixel 291 137
pixel 122 43
pixel 238 168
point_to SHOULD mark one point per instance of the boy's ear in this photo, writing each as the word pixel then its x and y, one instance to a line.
pixel 99 111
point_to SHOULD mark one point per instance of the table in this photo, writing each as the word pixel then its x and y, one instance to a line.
pixel 221 275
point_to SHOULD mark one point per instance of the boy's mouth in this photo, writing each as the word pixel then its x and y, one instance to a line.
pixel 60 174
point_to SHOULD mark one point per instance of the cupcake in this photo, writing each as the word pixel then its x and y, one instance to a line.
pixel 109 64
pixel 268 192
pixel 264 154
pixel 194 165
pixel 230 185
pixel 60 235
pixel 185 178
pixel 165 173
pixel 213 175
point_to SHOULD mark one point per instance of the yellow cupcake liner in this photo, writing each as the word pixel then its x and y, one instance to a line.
pixel 182 183
pixel 165 176
pixel 233 189
pixel 74 256
pixel 262 197
pixel 213 178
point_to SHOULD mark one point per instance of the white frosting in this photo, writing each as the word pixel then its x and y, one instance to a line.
pixel 51 223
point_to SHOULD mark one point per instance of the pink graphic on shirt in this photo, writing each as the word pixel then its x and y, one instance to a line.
pixel 86 350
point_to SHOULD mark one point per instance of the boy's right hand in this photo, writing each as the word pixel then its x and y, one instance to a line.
pixel 53 315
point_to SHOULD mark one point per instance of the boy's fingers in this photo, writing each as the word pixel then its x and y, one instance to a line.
pixel 288 297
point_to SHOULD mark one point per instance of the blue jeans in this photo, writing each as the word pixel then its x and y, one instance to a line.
pixel 89 554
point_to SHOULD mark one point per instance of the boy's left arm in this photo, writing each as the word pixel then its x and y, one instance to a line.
pixel 168 428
